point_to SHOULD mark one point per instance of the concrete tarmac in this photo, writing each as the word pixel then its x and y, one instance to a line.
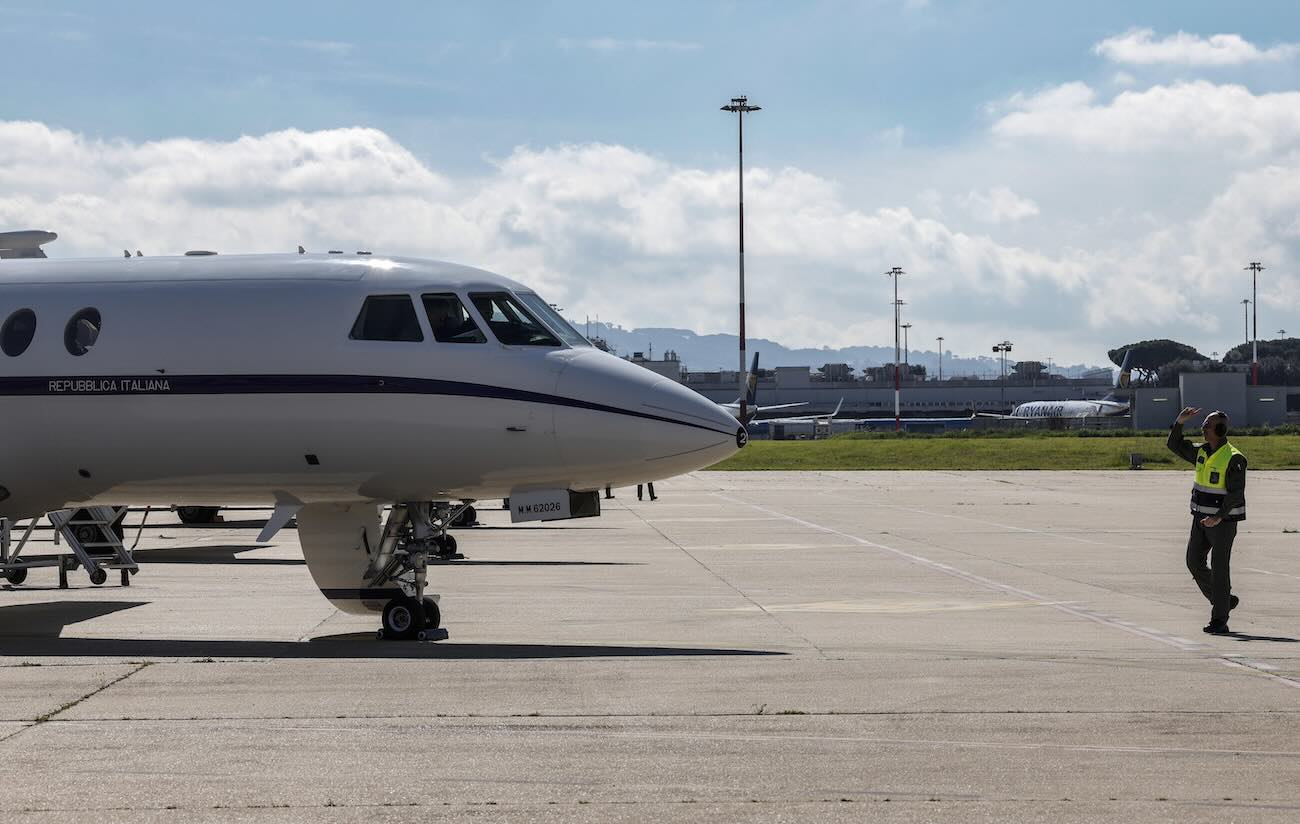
pixel 847 646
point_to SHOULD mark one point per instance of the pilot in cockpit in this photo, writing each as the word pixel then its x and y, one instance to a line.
pixel 449 320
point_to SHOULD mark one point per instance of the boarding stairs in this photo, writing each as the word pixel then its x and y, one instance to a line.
pixel 93 534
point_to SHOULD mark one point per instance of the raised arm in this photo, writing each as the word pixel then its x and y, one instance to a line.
pixel 1177 443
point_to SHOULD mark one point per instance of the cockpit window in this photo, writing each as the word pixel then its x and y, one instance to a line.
pixel 450 321
pixel 510 321
pixel 387 317
pixel 553 319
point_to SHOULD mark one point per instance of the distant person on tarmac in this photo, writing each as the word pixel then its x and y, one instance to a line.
pixel 652 492
pixel 1218 503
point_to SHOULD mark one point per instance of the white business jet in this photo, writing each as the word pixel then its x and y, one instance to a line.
pixel 327 386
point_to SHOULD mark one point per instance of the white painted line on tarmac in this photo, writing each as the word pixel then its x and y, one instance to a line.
pixel 1267 572
pixel 1260 668
pixel 1064 606
pixel 988 583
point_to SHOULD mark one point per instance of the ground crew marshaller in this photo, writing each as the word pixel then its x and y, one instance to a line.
pixel 1218 503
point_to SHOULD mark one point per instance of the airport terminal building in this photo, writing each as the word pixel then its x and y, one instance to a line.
pixel 872 395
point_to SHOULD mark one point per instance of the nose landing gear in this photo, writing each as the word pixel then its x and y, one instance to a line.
pixel 414 532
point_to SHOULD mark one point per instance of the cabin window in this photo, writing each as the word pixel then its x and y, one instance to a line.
pixel 387 317
pixel 510 322
pixel 450 321
pixel 17 333
pixel 553 319
pixel 82 331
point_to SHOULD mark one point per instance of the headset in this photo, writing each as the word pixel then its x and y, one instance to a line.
pixel 1220 424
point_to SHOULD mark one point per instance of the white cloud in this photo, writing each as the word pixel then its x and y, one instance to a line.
pixel 1140 47
pixel 892 137
pixel 607 229
pixel 599 227
pixel 610 45
pixel 1177 117
pixel 333 48
pixel 998 205
pixel 336 48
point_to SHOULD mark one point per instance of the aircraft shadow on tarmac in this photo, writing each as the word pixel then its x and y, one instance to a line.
pixel 472 562
pixel 258 523
pixel 210 555
pixel 231 555
pixel 35 629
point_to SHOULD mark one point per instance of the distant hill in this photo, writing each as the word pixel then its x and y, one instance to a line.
pixel 706 353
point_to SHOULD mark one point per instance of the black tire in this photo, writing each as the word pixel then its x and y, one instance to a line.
pixel 98 577
pixel 197 514
pixel 432 615
pixel 467 517
pixel 87 534
pixel 16 576
pixel 403 618
pixel 447 546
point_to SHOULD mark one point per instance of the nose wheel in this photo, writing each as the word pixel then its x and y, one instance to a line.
pixel 403 618
pixel 416 533
pixel 411 619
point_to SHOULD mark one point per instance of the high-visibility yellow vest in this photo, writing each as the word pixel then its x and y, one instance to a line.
pixel 1210 486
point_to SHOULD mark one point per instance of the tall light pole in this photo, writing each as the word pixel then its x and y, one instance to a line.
pixel 896 273
pixel 1002 349
pixel 940 339
pixel 740 105
pixel 1254 268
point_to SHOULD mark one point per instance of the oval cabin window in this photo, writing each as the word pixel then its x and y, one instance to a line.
pixel 17 333
pixel 82 331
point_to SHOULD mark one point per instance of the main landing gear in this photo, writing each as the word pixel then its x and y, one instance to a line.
pixel 414 534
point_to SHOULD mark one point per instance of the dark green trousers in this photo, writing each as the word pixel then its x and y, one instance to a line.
pixel 1215 581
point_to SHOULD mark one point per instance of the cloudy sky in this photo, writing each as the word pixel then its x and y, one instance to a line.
pixel 1069 176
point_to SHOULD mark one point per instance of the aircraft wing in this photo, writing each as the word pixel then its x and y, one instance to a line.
pixel 802 418
pixel 781 406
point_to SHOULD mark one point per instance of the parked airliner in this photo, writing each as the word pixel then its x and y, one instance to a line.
pixel 1105 407
pixel 326 386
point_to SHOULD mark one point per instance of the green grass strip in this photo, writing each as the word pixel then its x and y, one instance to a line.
pixel 1048 451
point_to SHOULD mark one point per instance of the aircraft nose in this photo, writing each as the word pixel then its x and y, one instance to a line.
pixel 622 423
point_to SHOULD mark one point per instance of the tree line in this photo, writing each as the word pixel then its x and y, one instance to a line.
pixel 1159 362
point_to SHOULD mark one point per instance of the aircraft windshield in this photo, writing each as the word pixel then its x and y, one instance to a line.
pixel 553 319
pixel 510 322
